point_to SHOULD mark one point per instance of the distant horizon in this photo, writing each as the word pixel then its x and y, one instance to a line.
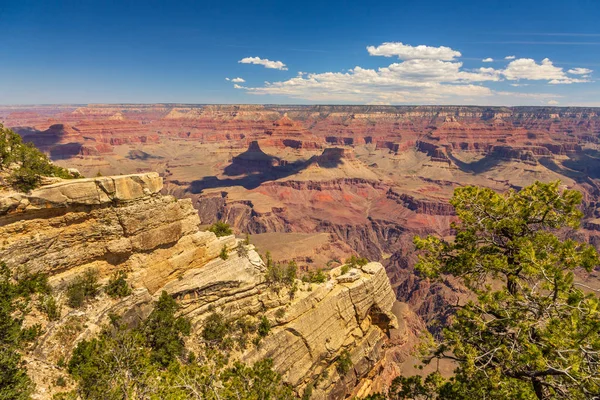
pixel 295 105
pixel 342 52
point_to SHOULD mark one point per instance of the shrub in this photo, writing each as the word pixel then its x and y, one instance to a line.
pixel 215 328
pixel 82 288
pixel 117 285
pixel 308 392
pixel 15 293
pixel 277 274
pixel 61 381
pixel 247 240
pixel 345 269
pixel 317 276
pixel 31 163
pixel 354 261
pixel 245 325
pixel 223 254
pixel 50 307
pixel 344 363
pixel 264 327
pixel 164 330
pixel 220 229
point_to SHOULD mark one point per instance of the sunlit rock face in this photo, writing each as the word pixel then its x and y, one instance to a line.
pixel 124 223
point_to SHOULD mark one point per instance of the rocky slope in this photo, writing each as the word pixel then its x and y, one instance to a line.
pixel 123 223
pixel 371 177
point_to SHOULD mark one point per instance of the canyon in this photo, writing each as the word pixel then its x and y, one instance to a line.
pixel 123 223
pixel 310 184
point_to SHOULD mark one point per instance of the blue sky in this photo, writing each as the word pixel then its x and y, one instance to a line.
pixel 334 52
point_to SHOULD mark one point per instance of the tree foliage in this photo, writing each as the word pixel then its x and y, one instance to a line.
pixel 149 362
pixel 83 287
pixel 16 291
pixel 531 331
pixel 117 285
pixel 220 228
pixel 164 330
pixel 28 164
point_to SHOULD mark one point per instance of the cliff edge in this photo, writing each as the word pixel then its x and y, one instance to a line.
pixel 123 223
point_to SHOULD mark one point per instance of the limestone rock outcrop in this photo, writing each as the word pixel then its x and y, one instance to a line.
pixel 123 223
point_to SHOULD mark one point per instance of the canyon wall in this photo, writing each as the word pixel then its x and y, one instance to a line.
pixel 124 223
pixel 368 178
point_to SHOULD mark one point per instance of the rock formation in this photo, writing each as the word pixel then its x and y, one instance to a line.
pixel 123 223
pixel 392 180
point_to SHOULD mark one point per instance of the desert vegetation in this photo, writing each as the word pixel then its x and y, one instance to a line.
pixel 24 163
pixel 220 229
pixel 531 331
pixel 18 289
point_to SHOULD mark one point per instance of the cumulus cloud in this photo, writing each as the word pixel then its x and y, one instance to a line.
pixel 408 52
pixel 238 80
pixel 552 102
pixel 264 62
pixel 227 79
pixel 425 75
pixel 580 71
pixel 527 68
pixel 409 81
pixel 489 59
pixel 510 57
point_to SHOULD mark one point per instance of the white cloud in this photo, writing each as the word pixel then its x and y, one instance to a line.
pixel 487 60
pixel 552 102
pixel 510 57
pixel 408 52
pixel 527 68
pixel 427 75
pixel 264 62
pixel 238 80
pixel 580 71
pixel 227 79
pixel 409 81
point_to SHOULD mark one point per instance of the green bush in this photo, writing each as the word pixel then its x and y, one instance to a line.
pixel 344 363
pixel 317 276
pixel 83 287
pixel 264 327
pixel 215 328
pixel 223 254
pixel 61 381
pixel 345 269
pixel 354 261
pixel 280 312
pixel 278 274
pixel 220 229
pixel 31 163
pixel 50 307
pixel 165 331
pixel 121 363
pixel 15 295
pixel 117 286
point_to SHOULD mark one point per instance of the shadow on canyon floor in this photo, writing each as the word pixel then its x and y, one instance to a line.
pixel 477 167
pixel 580 168
pixel 49 141
pixel 252 177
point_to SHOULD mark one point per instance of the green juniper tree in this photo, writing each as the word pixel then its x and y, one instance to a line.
pixel 27 163
pixel 531 331
pixel 16 291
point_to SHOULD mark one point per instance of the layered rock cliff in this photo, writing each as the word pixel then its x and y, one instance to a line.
pixel 123 223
